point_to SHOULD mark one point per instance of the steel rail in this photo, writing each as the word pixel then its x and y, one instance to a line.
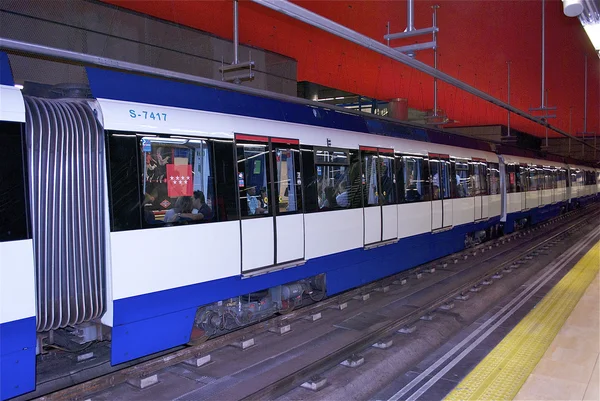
pixel 299 13
pixel 286 384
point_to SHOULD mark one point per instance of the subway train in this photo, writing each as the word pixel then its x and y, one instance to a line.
pixel 144 212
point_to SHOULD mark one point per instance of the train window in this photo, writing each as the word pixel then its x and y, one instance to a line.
pixel 225 205
pixel 13 185
pixel 337 179
pixel 462 178
pixel 511 178
pixel 177 181
pixel 494 178
pixel 311 200
pixel 124 178
pixel 416 178
pixel 288 182
pixel 254 179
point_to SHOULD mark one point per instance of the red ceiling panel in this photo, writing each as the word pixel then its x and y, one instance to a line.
pixel 476 40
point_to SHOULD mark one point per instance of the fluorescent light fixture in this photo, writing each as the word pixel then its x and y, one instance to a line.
pixel 20 87
pixel 593 32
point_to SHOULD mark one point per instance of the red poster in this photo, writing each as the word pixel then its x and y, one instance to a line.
pixel 179 180
pixel 512 178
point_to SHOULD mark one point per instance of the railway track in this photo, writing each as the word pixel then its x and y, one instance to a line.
pixel 458 280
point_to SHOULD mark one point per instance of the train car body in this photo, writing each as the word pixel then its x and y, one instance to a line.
pixel 155 208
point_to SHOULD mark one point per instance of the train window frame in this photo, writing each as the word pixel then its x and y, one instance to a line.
pixel 133 215
pixel 204 198
pixel 424 181
pixel 327 168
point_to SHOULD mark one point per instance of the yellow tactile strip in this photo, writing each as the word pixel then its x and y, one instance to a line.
pixel 504 370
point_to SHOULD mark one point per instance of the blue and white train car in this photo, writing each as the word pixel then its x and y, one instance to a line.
pixel 535 190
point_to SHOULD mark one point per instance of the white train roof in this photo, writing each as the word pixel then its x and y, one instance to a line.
pixel 133 117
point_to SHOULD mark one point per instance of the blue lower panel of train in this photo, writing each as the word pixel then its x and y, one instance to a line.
pixel 169 315
pixel 17 357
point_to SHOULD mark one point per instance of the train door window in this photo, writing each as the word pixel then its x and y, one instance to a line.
pixel 483 179
pixel 532 179
pixel 416 178
pixel 178 183
pixel 288 184
pixel 254 179
pixel 369 164
pixel 494 178
pixel 387 178
pixel 435 169
pixel 462 178
pixel 336 189
pixel 478 179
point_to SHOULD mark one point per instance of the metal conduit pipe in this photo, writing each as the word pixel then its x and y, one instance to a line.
pixel 302 14
pixel 410 15
pixel 235 32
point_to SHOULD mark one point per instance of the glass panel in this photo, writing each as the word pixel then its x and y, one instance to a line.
pixel 253 179
pixel 523 178
pixel 14 203
pixel 445 184
pixel 288 182
pixel 370 179
pixel 333 183
pixel 311 200
pixel 434 166
pixel 483 190
pixel 462 178
pixel 178 184
pixel 225 205
pixel 416 179
pixel 388 180
pixel 124 175
pixel 533 184
pixel 331 157
pixel 494 178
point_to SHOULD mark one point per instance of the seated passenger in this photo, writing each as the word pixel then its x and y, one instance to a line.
pixel 201 211
pixel 412 193
pixel 183 205
pixel 254 205
pixel 329 202
pixel 342 198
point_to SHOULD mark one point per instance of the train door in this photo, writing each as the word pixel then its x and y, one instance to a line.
pixel 380 212
pixel 481 205
pixel 270 196
pixel 441 202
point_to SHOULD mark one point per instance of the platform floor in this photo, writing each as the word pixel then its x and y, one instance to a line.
pixel 553 353
pixel 569 370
